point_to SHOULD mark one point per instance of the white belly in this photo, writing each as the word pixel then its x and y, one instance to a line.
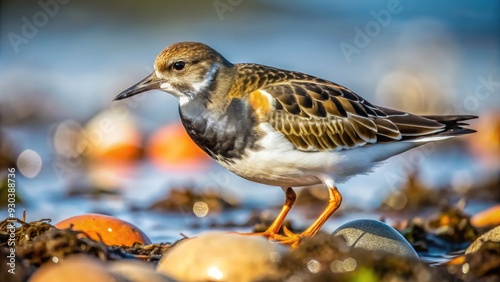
pixel 278 163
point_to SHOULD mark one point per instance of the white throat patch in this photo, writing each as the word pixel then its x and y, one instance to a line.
pixel 202 85
pixel 183 100
pixel 198 87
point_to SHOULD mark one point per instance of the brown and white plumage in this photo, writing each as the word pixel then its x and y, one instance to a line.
pixel 285 128
pixel 319 115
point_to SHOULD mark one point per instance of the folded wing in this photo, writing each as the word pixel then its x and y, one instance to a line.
pixel 320 115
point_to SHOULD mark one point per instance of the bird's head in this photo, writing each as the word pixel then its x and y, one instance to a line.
pixel 184 69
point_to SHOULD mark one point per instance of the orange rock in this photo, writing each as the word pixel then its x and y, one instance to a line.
pixel 121 152
pixel 170 147
pixel 457 260
pixel 489 217
pixel 111 136
pixel 485 143
pixel 113 231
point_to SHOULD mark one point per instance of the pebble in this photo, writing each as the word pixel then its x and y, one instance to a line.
pixel 222 257
pixel 373 235
pixel 75 268
pixel 112 230
pixel 138 271
pixel 489 217
pixel 112 135
pixel 492 235
pixel 171 148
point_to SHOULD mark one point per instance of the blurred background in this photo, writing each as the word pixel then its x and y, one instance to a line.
pixel 75 151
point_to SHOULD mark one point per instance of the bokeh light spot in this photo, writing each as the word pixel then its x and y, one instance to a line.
pixel 337 266
pixel 313 266
pixel 465 268
pixel 200 209
pixel 215 273
pixel 349 264
pixel 29 163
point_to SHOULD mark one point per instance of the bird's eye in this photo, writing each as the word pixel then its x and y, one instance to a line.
pixel 179 65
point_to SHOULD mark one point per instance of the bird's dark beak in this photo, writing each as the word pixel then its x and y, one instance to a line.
pixel 151 82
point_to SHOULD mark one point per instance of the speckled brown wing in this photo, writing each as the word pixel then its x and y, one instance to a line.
pixel 317 115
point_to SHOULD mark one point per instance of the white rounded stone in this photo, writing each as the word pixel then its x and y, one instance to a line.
pixel 221 257
pixel 75 268
pixel 491 235
pixel 138 271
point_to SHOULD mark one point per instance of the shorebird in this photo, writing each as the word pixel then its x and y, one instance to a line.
pixel 285 128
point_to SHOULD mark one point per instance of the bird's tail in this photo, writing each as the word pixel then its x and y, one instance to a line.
pixel 453 124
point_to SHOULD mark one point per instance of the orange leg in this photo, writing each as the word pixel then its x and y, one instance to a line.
pixel 334 201
pixel 273 229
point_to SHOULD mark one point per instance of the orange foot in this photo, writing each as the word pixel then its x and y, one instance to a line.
pixel 289 238
pixel 292 239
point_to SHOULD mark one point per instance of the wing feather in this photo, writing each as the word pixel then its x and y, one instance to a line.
pixel 318 115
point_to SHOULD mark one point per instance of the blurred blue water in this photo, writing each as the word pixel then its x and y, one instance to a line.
pixel 73 66
pixel 89 51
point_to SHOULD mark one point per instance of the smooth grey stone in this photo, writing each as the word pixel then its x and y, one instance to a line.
pixel 491 235
pixel 374 235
